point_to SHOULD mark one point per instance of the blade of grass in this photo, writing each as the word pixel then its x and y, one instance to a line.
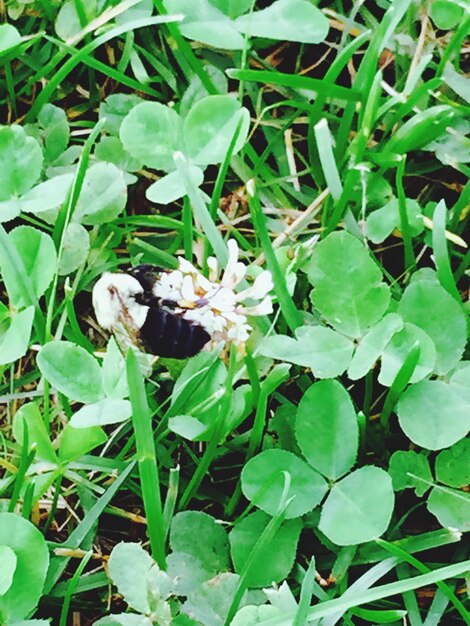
pixel 410 260
pixel 364 582
pixel 266 537
pixel 71 588
pixel 306 592
pixel 377 593
pixel 421 567
pixel 327 158
pixel 219 428
pixel 65 216
pixel 409 597
pixel 292 315
pixel 201 211
pixel 156 255
pixel 186 50
pixel 10 257
pixel 331 90
pixel 441 252
pixel 74 540
pixel 171 498
pixel 26 458
pixel 46 94
pixel 401 380
pixel 370 552
pixel 146 459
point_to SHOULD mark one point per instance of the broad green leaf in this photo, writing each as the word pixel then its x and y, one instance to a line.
pixel 47 196
pixel 445 14
pixel 188 572
pixel 406 462
pixel 9 37
pixel 196 90
pixel 32 561
pixel 68 24
pixel 210 602
pixel 20 167
pixel 200 379
pixel 264 478
pixel 358 508
pixel 204 22
pixel 286 20
pixel 37 251
pixel 381 223
pixel 139 11
pixel 111 150
pixel 37 433
pixel 56 130
pixel 233 8
pixel 14 341
pixel 270 565
pixel 114 372
pixel 75 248
pixel 103 195
pixel 451 507
pixel 211 548
pixel 433 415
pixel 348 290
pixel 115 108
pixel 453 465
pixel 151 132
pixel 326 428
pixel 188 427
pixel 124 619
pixel 372 345
pixel 251 615
pixel 210 126
pixel 398 349
pixel 102 413
pixel 170 187
pixel 460 381
pixel 71 370
pixel 8 560
pixel 323 350
pixel 428 305
pixel 129 567
pixel 75 442
pixel 281 597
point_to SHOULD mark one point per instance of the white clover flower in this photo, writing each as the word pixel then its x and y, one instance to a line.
pixel 216 305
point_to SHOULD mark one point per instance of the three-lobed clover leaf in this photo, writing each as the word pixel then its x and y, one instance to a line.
pixel 326 352
pixel 156 136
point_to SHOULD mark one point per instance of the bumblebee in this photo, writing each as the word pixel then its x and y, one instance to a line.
pixel 125 304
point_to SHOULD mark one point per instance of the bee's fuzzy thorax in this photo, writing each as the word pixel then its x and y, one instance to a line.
pixel 114 295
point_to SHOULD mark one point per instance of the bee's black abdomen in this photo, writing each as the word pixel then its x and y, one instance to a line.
pixel 168 335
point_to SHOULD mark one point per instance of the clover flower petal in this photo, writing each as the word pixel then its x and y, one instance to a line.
pixel 215 304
